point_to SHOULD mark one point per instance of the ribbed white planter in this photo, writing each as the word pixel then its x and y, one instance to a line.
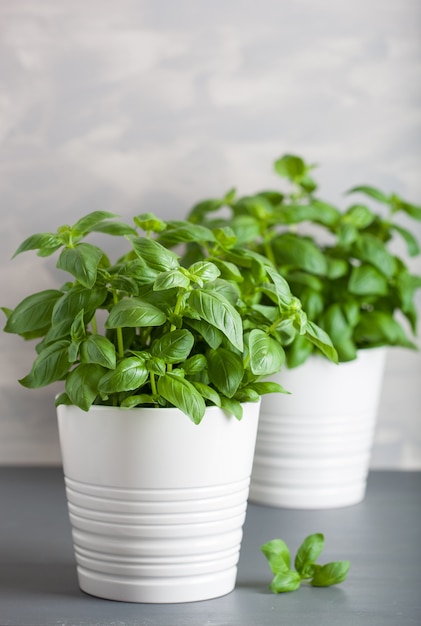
pixel 313 447
pixel 156 503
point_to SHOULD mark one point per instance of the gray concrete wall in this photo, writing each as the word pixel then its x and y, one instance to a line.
pixel 142 105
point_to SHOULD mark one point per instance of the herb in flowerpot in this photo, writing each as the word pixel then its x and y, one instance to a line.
pixel 342 266
pixel 162 378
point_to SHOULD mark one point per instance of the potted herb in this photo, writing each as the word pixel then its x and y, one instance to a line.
pixel 342 266
pixel 163 368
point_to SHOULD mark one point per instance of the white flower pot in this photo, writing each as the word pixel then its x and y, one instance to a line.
pixel 156 503
pixel 313 447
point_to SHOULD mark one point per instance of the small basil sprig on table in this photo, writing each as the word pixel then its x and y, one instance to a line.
pixel 306 569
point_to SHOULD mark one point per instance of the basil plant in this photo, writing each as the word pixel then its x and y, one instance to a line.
pixel 340 263
pixel 155 328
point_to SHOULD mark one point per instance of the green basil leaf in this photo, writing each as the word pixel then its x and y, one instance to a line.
pixel 207 392
pixel 205 270
pixel 195 364
pixel 351 310
pixel 82 262
pixel 33 313
pixel 125 284
pixel 318 212
pixel 226 289
pixel 298 351
pixel 210 334
pixel 51 364
pixel 59 330
pixel 150 223
pixel 87 223
pixel 184 232
pixel 232 406
pixel 76 299
pixel 308 280
pixel 366 280
pixel 309 551
pixel 246 394
pixel 77 329
pixel 143 398
pixel 82 385
pixel 200 210
pixel 62 398
pixel 380 328
pixel 281 286
pixel 331 574
pixel 246 228
pixel 156 256
pixel 290 166
pixel 277 554
pixel 183 395
pixel 225 237
pixel 225 370
pixel 369 249
pixel 274 197
pixel 267 387
pixel 228 271
pixel 313 303
pixel 410 209
pixel 136 270
pixel 359 216
pixel 299 253
pixel 321 340
pixel 156 365
pixel 266 355
pixel 133 313
pixel 347 234
pixel 267 313
pixel 257 206
pixel 174 346
pixel 326 214
pixel 73 352
pixel 371 192
pixel 285 581
pixel 114 228
pixel 217 311
pixel 46 243
pixel 337 327
pixel 411 241
pixel 336 268
pixel 407 284
pixel 171 279
pixel 130 373
pixel 98 349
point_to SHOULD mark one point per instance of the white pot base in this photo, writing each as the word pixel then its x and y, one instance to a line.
pixel 161 591
pixel 312 498
pixel 313 446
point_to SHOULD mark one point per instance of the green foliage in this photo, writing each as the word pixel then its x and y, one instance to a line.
pixel 340 263
pixel 306 569
pixel 155 328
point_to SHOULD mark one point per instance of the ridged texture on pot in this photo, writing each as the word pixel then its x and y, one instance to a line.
pixel 313 447
pixel 156 523
pixel 132 539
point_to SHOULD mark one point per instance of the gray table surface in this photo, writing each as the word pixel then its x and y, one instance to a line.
pixel 381 537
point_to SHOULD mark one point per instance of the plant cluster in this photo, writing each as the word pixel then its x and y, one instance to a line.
pixel 155 328
pixel 339 263
pixel 306 569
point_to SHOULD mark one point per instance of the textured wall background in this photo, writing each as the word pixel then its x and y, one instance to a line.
pixel 142 105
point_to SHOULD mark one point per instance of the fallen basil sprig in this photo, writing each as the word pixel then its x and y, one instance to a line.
pixel 306 569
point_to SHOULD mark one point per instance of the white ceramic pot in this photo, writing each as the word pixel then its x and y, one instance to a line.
pixel 156 503
pixel 313 447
